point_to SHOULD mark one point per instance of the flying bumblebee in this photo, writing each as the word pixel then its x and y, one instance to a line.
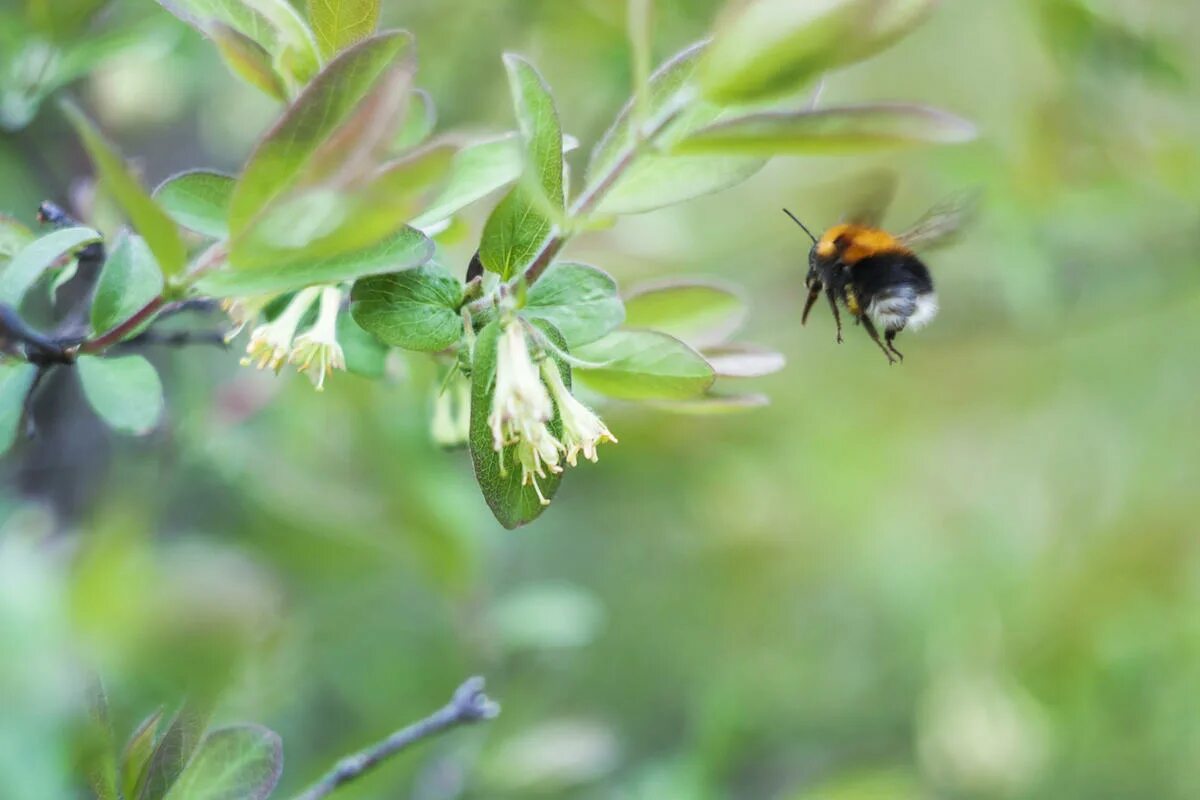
pixel 877 276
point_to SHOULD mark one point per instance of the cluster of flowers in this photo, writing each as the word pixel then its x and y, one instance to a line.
pixel 527 391
pixel 315 352
pixel 523 405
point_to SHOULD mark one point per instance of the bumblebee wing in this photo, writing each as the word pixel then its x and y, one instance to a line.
pixel 869 206
pixel 942 223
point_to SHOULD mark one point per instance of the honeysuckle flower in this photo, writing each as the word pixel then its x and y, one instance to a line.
pixel 271 344
pixel 316 351
pixel 520 402
pixel 242 311
pixel 451 425
pixel 582 429
pixel 521 409
pixel 537 453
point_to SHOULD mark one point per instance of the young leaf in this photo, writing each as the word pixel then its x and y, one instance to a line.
pixel 477 170
pixel 125 392
pixel 771 48
pixel 644 365
pixel 172 751
pixel 324 223
pixel 341 23
pixel 135 758
pixel 833 130
pixel 241 762
pixel 655 179
pixel 272 24
pixel 518 227
pixel 416 309
pixel 129 280
pixel 199 201
pixel 512 503
pixel 418 123
pixel 743 361
pixel 701 313
pixel 15 382
pixel 247 59
pixel 368 79
pixel 580 301
pixel 405 249
pixel 147 218
pixel 38 256
pixel 765 49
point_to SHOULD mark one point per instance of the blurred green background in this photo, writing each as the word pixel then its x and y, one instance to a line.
pixel 975 575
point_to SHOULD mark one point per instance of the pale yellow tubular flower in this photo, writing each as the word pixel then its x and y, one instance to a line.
pixel 271 343
pixel 583 431
pixel 242 311
pixel 316 351
pixel 519 400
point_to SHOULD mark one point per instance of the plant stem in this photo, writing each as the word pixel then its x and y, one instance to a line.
pixel 587 202
pixel 117 334
pixel 469 704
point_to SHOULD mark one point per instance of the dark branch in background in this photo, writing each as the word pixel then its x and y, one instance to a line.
pixel 174 339
pixel 468 705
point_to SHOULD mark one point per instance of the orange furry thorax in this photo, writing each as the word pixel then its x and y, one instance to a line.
pixel 856 242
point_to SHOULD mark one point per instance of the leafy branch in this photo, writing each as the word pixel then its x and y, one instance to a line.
pixel 342 205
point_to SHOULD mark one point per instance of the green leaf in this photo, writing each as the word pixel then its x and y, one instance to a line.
pixel 655 179
pixel 272 24
pixel 346 113
pixel 324 223
pixel 744 361
pixel 125 391
pixel 580 301
pixel 15 381
pixel 644 365
pixel 403 250
pixel 519 226
pixel 416 309
pixel 172 751
pixel 38 256
pixel 147 218
pixel 199 201
pixel 419 122
pixel 764 49
pixel 129 280
pixel 239 762
pixel 341 23
pixel 701 313
pixel 135 758
pixel 248 60
pixel 852 129
pixel 477 171
pixel 365 355
pixel 513 505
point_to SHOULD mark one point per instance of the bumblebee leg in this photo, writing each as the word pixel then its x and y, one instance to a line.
pixel 813 293
pixel 837 317
pixel 889 336
pixel 870 326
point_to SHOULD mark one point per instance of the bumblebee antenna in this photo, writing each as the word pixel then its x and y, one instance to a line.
pixel 801 224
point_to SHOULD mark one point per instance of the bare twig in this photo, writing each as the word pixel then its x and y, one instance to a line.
pixel 468 705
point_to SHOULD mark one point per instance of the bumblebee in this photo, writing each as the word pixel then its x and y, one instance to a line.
pixel 877 276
